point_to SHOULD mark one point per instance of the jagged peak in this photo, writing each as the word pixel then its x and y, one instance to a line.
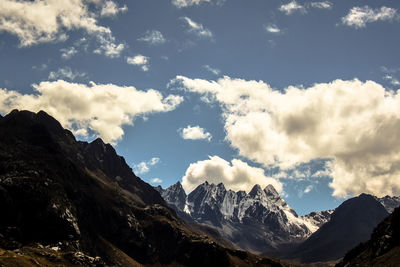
pixel 271 191
pixel 221 186
pixel 256 190
pixel 175 186
pixel 99 144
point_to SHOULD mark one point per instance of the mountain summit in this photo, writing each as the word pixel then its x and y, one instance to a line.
pixel 258 221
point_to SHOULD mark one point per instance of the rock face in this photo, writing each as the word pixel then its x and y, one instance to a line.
pixel 390 203
pixel 382 249
pixel 351 223
pixel 258 221
pixel 78 203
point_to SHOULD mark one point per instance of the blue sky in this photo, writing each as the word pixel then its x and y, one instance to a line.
pixel 300 94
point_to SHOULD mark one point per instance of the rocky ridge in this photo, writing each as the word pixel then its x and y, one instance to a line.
pixel 257 221
pixel 69 203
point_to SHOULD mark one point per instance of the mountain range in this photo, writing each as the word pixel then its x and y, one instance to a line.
pixel 262 222
pixel 65 202
pixel 71 203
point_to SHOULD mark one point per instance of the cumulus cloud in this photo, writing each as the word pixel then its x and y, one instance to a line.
pixel 272 28
pixel 187 3
pixel 353 123
pixel 214 71
pixel 292 7
pixel 197 28
pixel 322 5
pixel 153 37
pixel 235 175
pixel 35 22
pixel 194 133
pixel 66 72
pixel 358 17
pixel 144 166
pixel 110 9
pixel 101 109
pixel 139 60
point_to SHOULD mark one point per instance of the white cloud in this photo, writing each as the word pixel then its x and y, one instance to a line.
pixel 156 181
pixel 66 72
pixel 308 189
pixel 292 7
pixel 35 22
pixel 153 37
pixel 214 71
pixel 194 133
pixel 392 80
pixel 358 17
pixel 99 108
pixel 354 123
pixel 197 28
pixel 139 60
pixel 144 166
pixel 110 9
pixel 322 5
pixel 69 52
pixel 187 3
pixel 235 175
pixel 272 28
pixel 108 47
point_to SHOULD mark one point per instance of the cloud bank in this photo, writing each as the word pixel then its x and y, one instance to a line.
pixel 354 123
pixel 236 175
pixel 101 109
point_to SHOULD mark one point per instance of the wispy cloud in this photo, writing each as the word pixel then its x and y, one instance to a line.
pixel 153 37
pixel 358 17
pixel 322 5
pixel 188 3
pixel 144 166
pixel 214 71
pixel 292 7
pixel 67 53
pixel 67 73
pixel 272 28
pixel 197 28
pixel 110 9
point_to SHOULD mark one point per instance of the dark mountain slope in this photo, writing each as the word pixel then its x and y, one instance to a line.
pixel 351 223
pixel 382 250
pixel 69 202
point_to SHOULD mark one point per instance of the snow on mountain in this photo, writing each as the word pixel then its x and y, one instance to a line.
pixel 315 220
pixel 390 203
pixel 250 220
